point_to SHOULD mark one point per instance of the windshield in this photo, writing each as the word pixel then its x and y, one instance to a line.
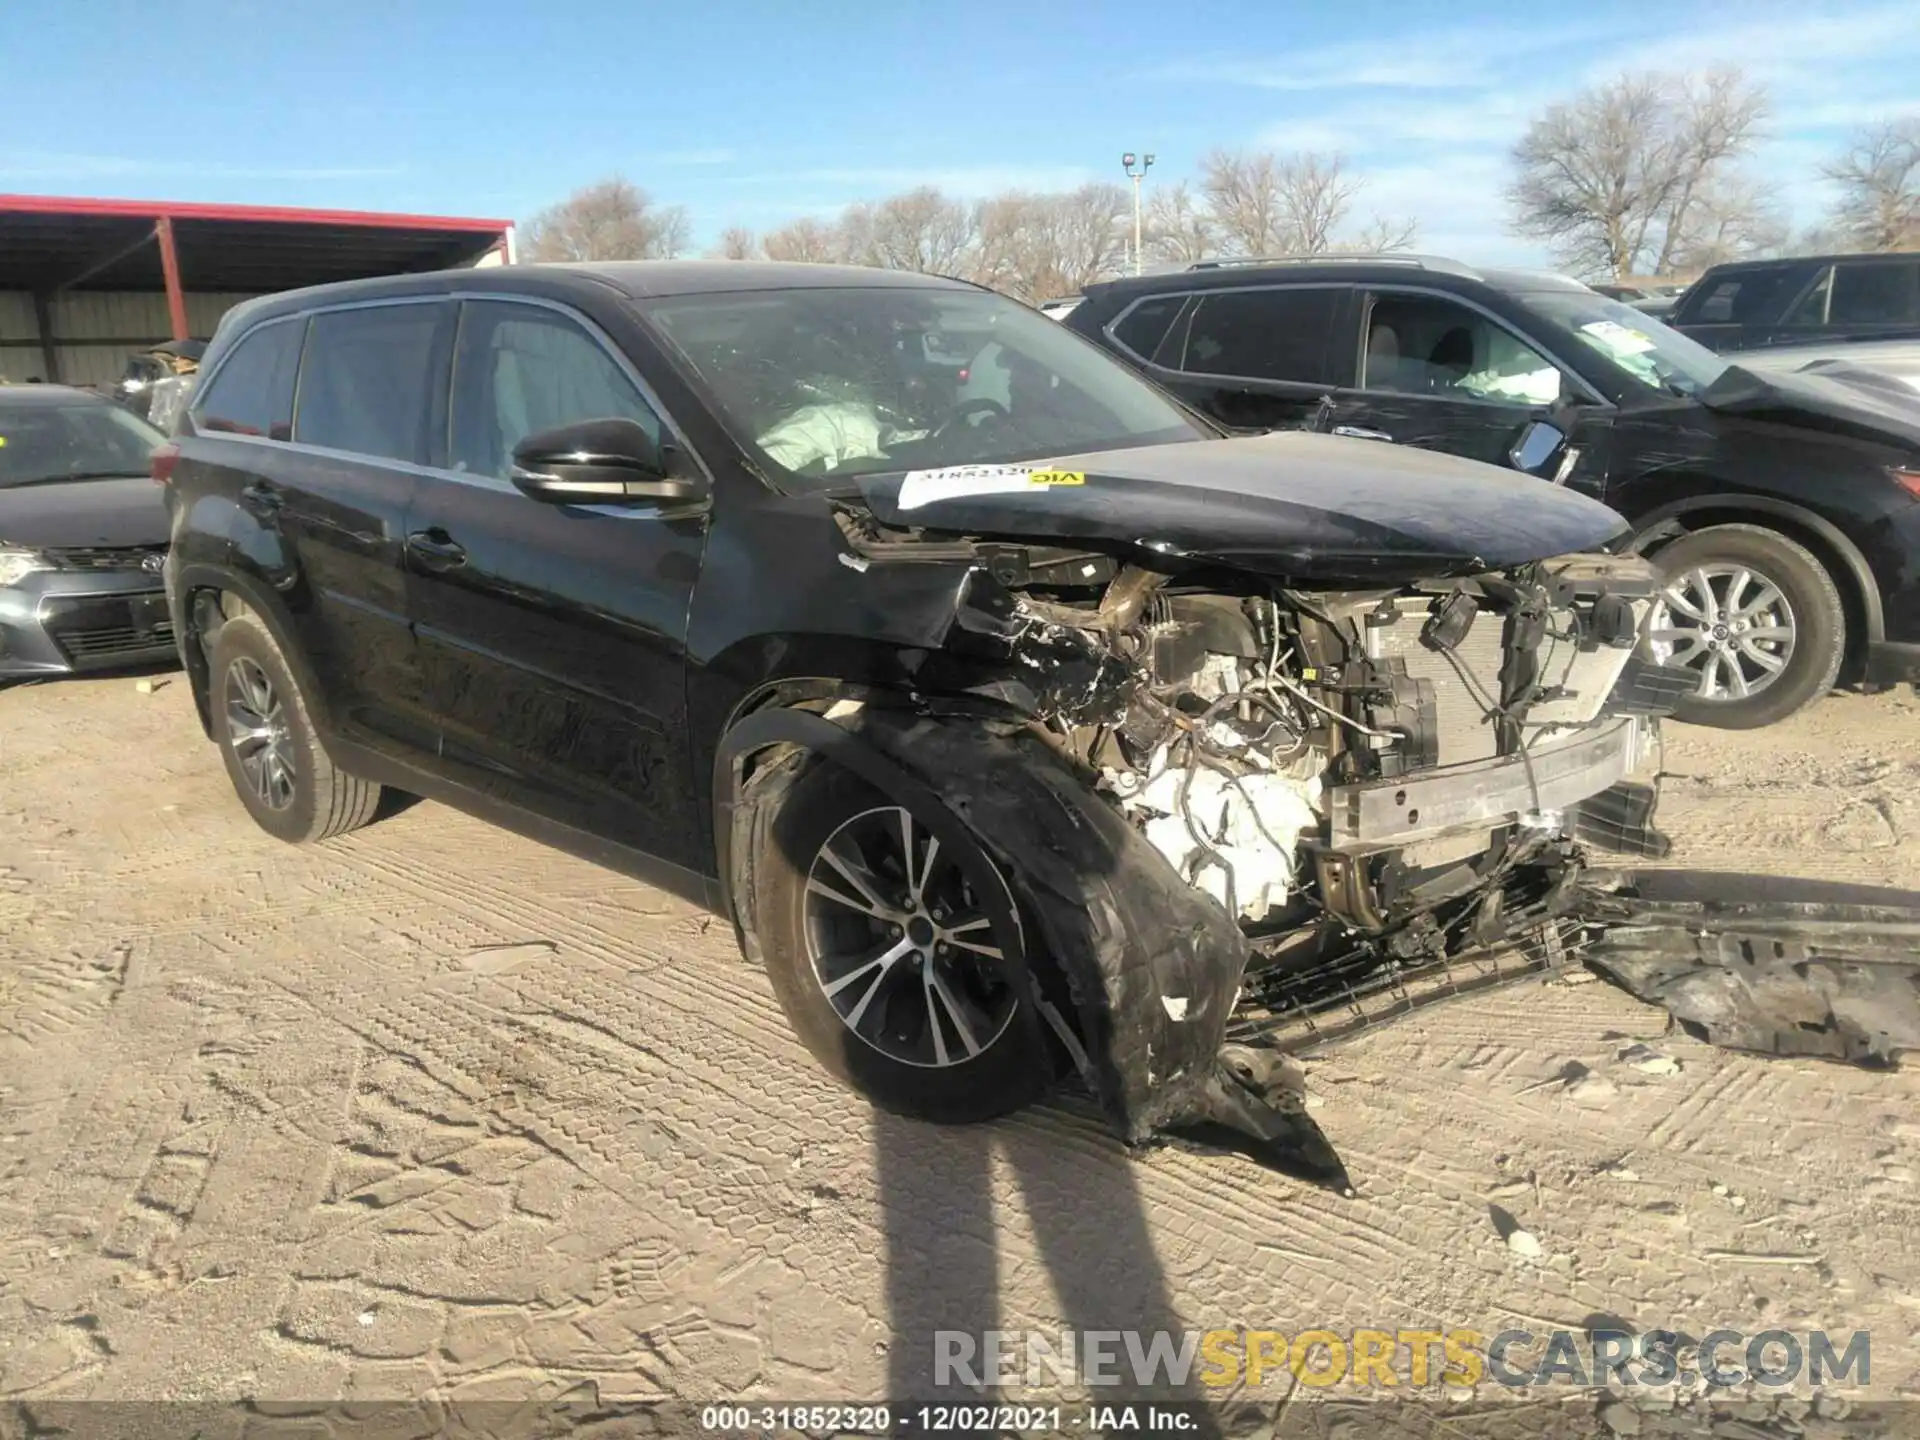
pixel 1645 348
pixel 837 383
pixel 42 444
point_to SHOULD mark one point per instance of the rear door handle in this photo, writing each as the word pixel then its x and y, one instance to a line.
pixel 1360 432
pixel 261 499
pixel 436 550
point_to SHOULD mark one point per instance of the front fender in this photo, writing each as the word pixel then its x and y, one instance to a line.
pixel 1151 968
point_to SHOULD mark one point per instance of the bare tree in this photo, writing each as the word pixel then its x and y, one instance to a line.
pixel 1879 180
pixel 805 240
pixel 612 220
pixel 1043 247
pixel 921 230
pixel 1267 204
pixel 737 243
pixel 1733 216
pixel 1610 179
pixel 1177 228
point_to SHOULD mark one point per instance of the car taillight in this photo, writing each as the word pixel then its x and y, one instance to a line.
pixel 165 457
pixel 1907 480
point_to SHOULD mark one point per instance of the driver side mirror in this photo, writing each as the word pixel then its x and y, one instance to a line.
pixel 596 461
pixel 1537 447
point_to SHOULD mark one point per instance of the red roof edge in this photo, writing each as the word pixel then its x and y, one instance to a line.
pixel 263 214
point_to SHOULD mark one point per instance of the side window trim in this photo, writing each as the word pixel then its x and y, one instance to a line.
pixel 458 298
pixel 1592 396
pixel 1183 325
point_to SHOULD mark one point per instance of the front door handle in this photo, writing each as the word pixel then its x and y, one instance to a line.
pixel 436 550
pixel 1360 432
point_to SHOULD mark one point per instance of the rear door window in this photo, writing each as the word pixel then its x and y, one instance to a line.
pixel 1143 329
pixel 1277 334
pixel 373 381
pixel 1876 292
pixel 1756 296
pixel 252 393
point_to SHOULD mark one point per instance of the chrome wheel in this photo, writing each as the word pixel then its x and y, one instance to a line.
pixel 900 944
pixel 257 731
pixel 1730 624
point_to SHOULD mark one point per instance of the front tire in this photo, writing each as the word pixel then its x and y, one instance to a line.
pixel 1756 616
pixel 281 773
pixel 899 963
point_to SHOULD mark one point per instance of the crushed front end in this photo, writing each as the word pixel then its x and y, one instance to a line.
pixel 1370 792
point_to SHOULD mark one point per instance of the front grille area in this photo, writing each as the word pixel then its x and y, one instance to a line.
pixel 118 557
pixel 98 628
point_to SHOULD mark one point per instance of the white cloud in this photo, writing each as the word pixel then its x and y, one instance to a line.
pixel 967 182
pixel 44 165
pixel 1429 119
pixel 1437 60
pixel 717 156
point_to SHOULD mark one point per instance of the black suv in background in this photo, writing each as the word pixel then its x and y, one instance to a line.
pixel 1802 301
pixel 1786 507
pixel 986 689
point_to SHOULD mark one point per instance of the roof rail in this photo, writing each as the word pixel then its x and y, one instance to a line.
pixel 1438 263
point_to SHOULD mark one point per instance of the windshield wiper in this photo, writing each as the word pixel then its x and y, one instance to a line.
pixel 78 475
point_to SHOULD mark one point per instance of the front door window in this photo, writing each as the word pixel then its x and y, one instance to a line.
pixel 1425 345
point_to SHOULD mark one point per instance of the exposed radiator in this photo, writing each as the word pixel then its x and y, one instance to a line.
pixel 1588 677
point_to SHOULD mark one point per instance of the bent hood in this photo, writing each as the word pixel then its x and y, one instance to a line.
pixel 1833 395
pixel 80 513
pixel 1292 504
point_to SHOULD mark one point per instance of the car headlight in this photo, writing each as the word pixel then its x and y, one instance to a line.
pixel 16 565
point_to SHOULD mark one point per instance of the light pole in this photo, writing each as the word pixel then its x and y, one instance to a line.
pixel 1146 164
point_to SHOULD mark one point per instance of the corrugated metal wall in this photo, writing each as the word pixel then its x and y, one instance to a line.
pixel 95 331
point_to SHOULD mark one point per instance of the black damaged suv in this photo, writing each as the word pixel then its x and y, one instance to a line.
pixel 1018 719
pixel 1785 505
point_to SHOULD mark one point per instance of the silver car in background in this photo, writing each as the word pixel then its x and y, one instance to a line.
pixel 83 536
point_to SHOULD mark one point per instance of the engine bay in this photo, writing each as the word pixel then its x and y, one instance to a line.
pixel 1275 748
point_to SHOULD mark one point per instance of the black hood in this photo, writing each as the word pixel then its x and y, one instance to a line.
pixel 1293 504
pixel 78 514
pixel 1830 395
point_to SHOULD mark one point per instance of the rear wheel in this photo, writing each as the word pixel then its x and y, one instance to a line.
pixel 896 957
pixel 1755 616
pixel 283 776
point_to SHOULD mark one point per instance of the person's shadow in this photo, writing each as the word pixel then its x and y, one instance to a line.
pixel 944 1193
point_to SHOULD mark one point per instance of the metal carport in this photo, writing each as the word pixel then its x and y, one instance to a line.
pixel 84 282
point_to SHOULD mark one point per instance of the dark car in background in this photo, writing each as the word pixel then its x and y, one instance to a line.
pixel 1785 505
pixel 1812 299
pixel 83 535
pixel 150 372
pixel 986 690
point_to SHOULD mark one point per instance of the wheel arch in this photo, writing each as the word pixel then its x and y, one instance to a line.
pixel 1141 970
pixel 206 592
pixel 1853 577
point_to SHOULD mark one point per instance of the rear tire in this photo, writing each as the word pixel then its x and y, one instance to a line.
pixel 1756 616
pixel 944 1030
pixel 278 767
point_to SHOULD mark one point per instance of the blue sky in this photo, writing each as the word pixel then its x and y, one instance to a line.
pixel 754 111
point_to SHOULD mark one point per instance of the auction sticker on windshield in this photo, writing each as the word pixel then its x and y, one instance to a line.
pixel 923 487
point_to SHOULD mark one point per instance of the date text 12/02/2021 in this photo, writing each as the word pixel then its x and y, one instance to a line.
pixel 950 1419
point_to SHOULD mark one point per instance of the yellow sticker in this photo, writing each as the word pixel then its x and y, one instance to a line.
pixel 1056 477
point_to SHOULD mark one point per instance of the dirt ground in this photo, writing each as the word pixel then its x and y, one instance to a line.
pixel 432 1109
